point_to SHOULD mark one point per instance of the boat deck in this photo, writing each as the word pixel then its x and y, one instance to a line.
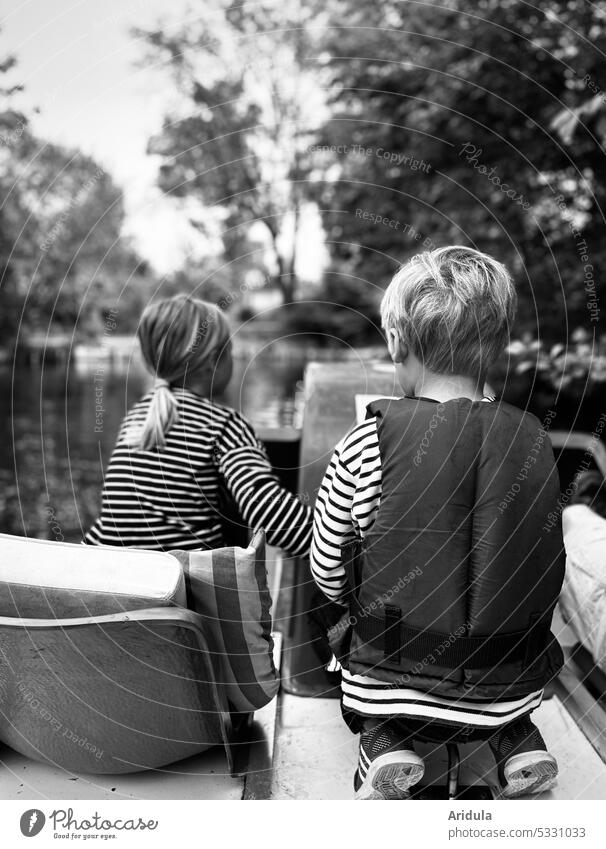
pixel 316 754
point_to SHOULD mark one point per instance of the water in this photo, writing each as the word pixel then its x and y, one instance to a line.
pixel 59 424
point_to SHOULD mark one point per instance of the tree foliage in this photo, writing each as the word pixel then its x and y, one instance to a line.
pixel 237 136
pixel 475 91
pixel 63 260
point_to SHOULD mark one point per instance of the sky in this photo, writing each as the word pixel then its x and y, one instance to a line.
pixel 78 63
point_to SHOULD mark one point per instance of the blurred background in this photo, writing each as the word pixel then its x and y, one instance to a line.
pixel 282 159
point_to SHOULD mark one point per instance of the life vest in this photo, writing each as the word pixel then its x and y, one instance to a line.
pixel 454 586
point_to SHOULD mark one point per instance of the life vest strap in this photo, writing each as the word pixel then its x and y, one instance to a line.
pixel 391 635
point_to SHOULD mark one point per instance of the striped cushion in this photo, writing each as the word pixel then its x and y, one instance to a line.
pixel 228 586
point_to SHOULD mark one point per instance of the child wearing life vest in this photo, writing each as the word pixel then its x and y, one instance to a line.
pixel 430 526
pixel 178 449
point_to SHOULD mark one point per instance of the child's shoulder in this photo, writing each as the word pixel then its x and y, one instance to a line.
pixel 221 411
pixel 232 423
pixel 362 436
pixel 510 413
pixel 199 413
pixel 225 413
pixel 140 407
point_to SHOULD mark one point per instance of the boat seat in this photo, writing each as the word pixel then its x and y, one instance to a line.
pixel 102 669
pixel 110 694
pixel 583 596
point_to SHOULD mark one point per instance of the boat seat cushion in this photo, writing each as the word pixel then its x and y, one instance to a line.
pixel 583 597
pixel 122 693
pixel 228 587
pixel 43 579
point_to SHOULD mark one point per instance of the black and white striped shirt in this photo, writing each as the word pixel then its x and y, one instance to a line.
pixel 169 497
pixel 347 506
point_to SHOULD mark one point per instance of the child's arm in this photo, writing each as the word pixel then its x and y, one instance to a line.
pixel 261 500
pixel 346 505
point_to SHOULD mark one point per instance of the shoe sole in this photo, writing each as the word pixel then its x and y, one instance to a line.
pixel 529 773
pixel 390 776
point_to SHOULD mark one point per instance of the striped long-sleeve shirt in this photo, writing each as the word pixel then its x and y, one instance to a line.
pixel 170 497
pixel 346 506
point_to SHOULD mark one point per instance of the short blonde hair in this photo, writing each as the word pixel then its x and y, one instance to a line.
pixel 453 307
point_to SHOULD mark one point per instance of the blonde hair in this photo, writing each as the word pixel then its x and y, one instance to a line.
pixel 178 337
pixel 453 307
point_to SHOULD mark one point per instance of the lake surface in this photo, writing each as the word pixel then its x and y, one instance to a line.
pixel 55 441
pixel 54 444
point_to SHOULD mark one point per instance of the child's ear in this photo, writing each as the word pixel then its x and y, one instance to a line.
pixel 397 351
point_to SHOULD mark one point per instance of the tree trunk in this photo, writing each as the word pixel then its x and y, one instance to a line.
pixel 285 279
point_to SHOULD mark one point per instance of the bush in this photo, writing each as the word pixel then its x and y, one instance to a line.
pixel 569 379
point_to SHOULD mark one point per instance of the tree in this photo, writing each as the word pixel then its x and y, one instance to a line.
pixel 67 260
pixel 12 126
pixel 446 124
pixel 63 260
pixel 249 102
pixel 64 263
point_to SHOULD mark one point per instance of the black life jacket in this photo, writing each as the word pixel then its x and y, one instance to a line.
pixel 454 587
